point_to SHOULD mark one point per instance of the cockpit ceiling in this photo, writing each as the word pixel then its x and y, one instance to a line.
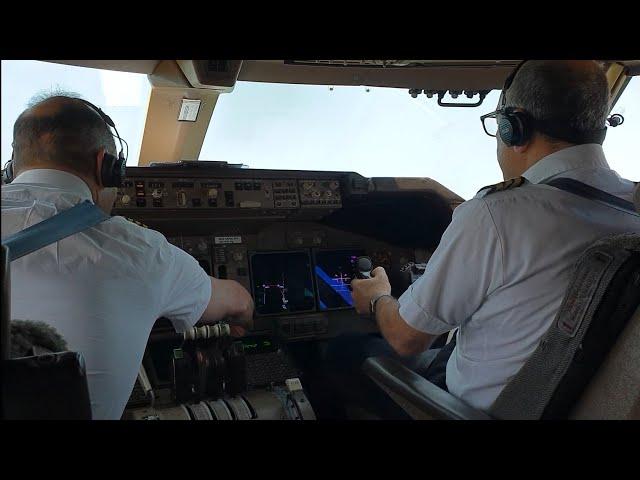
pixel 425 74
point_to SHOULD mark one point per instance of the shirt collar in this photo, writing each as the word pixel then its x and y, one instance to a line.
pixel 590 155
pixel 58 179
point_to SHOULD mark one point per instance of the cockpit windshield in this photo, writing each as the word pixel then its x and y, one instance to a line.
pixel 373 131
pixel 377 132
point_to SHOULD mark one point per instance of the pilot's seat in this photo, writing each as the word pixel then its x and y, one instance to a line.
pixel 42 383
pixel 587 366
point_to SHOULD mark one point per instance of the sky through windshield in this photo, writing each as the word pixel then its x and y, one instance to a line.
pixel 380 132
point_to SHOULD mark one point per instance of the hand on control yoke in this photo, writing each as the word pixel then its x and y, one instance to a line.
pixel 364 289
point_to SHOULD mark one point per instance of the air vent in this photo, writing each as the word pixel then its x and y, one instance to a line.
pixel 220 66
pixel 220 75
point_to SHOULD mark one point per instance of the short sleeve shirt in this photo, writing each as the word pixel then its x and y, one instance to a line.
pixel 102 289
pixel 504 264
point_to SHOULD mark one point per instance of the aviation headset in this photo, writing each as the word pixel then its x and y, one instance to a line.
pixel 516 127
pixel 113 168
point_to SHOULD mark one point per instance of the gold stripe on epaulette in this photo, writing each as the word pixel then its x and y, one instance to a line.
pixel 502 186
pixel 136 222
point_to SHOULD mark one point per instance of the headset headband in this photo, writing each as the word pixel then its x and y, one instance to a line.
pixel 553 128
pixel 107 119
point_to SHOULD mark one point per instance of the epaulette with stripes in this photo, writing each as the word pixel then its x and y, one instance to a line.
pixel 502 186
pixel 136 222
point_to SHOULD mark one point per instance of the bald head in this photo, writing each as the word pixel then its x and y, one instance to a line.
pixel 60 131
pixel 574 93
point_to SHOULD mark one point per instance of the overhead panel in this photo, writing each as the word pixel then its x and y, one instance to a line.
pixel 424 74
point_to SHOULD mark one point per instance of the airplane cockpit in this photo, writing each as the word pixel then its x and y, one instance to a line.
pixel 293 238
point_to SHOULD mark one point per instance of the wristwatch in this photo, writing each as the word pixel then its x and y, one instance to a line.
pixel 372 304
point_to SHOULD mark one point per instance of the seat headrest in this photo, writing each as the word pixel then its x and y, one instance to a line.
pixel 636 197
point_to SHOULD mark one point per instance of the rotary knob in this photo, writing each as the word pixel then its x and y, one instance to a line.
pixel 202 246
pixel 125 199
pixel 237 256
pixel 181 199
pixel 157 193
pixel 213 193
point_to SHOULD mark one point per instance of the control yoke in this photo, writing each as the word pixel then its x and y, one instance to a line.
pixel 363 267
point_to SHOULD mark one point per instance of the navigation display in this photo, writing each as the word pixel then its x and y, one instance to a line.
pixel 334 271
pixel 282 282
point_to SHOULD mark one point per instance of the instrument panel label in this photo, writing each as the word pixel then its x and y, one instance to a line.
pixel 227 240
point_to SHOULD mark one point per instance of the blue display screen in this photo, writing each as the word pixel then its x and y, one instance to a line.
pixel 333 273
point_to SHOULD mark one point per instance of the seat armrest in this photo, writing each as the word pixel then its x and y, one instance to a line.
pixel 421 399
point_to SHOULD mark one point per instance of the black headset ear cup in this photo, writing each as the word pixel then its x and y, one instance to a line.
pixel 513 128
pixel 7 173
pixel 113 170
pixel 505 130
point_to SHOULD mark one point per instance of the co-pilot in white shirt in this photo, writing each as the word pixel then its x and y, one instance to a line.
pixel 103 288
pixel 503 265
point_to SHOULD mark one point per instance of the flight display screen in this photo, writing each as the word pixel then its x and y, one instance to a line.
pixel 333 271
pixel 282 282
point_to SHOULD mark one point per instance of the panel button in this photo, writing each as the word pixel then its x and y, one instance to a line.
pixel 141 202
pixel 196 202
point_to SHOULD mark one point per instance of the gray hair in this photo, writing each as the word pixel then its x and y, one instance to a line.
pixel 563 92
pixel 45 94
pixel 70 136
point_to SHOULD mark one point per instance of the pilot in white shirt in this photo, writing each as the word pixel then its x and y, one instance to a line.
pixel 102 289
pixel 503 265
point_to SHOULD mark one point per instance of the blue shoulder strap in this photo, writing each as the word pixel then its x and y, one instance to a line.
pixel 51 230
pixel 591 193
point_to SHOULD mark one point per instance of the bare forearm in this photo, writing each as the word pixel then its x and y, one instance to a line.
pixel 229 300
pixel 405 340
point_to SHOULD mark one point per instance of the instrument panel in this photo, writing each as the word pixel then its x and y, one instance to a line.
pixel 273 232
pixel 223 193
pixel 266 229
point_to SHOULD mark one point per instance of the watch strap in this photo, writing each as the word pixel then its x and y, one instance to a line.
pixel 374 301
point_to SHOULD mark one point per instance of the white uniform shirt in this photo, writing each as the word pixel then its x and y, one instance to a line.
pixel 103 288
pixel 503 266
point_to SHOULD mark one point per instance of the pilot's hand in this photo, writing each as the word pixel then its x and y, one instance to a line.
pixel 363 290
pixel 243 320
pixel 237 331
